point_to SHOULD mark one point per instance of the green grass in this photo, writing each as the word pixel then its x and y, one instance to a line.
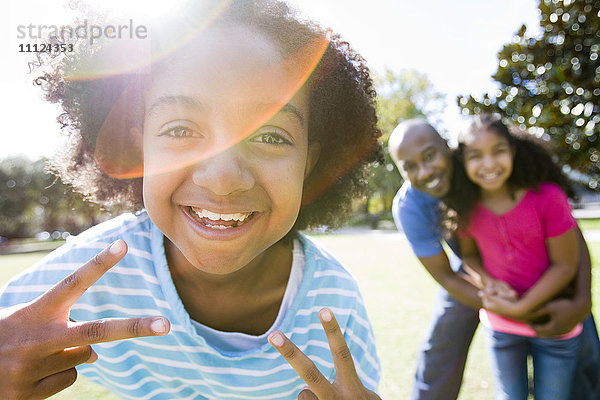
pixel 589 224
pixel 399 295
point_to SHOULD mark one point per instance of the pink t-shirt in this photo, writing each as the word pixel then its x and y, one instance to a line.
pixel 513 245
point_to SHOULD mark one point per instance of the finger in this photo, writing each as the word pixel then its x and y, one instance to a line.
pixel 307 394
pixel 107 330
pixel 487 302
pixel 539 312
pixel 65 360
pixel 66 292
pixel 543 330
pixel 342 358
pixel 55 383
pixel 93 358
pixel 303 366
pixel 490 289
pixel 512 296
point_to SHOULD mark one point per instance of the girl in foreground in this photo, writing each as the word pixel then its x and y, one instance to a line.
pixel 256 126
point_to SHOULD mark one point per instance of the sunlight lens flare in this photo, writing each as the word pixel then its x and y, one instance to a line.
pixel 118 145
pixel 131 41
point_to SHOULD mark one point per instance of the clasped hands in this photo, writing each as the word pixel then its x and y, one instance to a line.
pixel 554 318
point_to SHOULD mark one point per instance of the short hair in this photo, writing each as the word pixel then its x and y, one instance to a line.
pixel 342 117
pixel 405 128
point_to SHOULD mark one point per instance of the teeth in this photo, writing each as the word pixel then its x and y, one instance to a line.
pixel 220 227
pixel 432 184
pixel 240 217
pixel 489 176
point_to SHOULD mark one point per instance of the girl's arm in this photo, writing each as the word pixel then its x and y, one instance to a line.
pixel 472 262
pixel 563 251
pixel 563 314
pixel 477 274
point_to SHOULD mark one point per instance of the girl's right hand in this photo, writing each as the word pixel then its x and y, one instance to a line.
pixel 495 287
pixel 40 346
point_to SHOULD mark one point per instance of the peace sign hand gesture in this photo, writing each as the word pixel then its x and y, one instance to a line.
pixel 40 346
pixel 347 384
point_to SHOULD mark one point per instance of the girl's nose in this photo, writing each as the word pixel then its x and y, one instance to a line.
pixel 225 173
pixel 488 161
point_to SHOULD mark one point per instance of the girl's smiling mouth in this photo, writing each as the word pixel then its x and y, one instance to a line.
pixel 220 221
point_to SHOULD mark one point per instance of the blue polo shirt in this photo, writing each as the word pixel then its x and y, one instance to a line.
pixel 417 214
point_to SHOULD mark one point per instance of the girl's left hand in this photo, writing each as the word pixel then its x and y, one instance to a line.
pixel 501 289
pixel 347 384
pixel 499 304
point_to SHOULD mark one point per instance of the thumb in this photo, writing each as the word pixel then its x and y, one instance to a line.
pixel 540 312
pixel 544 329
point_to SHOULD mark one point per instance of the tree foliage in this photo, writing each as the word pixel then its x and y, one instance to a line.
pixel 401 95
pixel 32 200
pixel 549 84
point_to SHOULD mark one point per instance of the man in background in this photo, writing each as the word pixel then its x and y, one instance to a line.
pixel 424 161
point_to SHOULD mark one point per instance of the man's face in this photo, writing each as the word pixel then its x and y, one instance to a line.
pixel 423 158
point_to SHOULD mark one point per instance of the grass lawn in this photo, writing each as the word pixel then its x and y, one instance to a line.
pixel 589 224
pixel 399 295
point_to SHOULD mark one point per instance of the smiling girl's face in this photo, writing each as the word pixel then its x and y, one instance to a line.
pixel 488 159
pixel 226 149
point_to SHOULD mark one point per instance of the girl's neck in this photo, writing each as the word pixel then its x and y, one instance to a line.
pixel 245 301
pixel 501 200
pixel 500 194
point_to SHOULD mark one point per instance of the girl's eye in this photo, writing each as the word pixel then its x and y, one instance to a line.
pixel 274 138
pixel 178 131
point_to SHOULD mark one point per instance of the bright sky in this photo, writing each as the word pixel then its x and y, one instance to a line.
pixel 454 42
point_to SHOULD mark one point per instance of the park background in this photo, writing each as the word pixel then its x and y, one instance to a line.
pixel 429 62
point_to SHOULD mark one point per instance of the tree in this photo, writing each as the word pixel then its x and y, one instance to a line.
pixel 550 84
pixel 15 180
pixel 401 96
pixel 32 200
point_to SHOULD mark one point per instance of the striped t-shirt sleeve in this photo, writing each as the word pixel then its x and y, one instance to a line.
pixel 182 364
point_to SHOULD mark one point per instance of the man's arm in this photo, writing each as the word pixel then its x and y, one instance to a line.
pixel 420 227
pixel 455 283
pixel 561 315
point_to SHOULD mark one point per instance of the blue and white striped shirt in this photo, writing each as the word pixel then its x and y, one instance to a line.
pixel 182 364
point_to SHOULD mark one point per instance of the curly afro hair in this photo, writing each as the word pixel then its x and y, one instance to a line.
pixel 342 115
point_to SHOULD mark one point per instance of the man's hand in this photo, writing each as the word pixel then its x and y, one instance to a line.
pixel 347 384
pixel 557 317
pixel 40 346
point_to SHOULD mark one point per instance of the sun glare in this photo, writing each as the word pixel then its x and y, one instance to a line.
pixel 142 9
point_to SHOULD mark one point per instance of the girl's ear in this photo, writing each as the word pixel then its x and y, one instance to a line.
pixel 314 151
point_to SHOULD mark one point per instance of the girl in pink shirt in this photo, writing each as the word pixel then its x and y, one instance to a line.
pixel 517 234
